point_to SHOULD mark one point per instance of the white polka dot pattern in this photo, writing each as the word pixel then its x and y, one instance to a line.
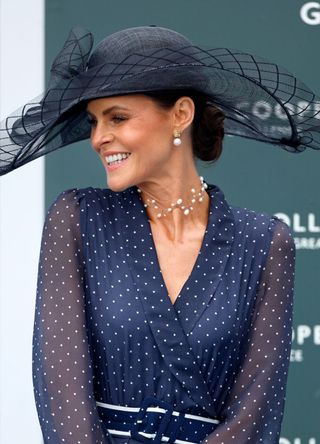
pixel 62 369
pixel 253 410
pixel 106 330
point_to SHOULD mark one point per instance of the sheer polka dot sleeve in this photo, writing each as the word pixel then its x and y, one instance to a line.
pixel 254 408
pixel 61 364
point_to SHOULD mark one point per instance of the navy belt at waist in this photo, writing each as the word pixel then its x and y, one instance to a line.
pixel 155 421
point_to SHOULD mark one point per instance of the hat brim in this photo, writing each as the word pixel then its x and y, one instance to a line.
pixel 261 100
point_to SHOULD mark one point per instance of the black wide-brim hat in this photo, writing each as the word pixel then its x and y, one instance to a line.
pixel 260 99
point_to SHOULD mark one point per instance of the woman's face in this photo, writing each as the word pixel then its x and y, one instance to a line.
pixel 133 137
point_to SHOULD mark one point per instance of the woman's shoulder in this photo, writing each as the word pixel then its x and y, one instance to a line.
pixel 247 215
pixel 76 199
pixel 64 209
pixel 75 195
pixel 245 218
pixel 257 224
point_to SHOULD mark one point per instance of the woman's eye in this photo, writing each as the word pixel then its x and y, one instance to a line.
pixel 118 118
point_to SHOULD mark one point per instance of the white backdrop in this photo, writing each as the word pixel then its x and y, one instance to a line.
pixel 21 219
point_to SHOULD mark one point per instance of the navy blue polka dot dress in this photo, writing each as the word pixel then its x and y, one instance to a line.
pixel 106 332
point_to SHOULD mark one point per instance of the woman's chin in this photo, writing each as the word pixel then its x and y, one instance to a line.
pixel 117 184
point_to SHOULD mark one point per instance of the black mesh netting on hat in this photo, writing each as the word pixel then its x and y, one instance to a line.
pixel 261 100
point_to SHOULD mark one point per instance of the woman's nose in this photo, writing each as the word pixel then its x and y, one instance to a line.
pixel 100 136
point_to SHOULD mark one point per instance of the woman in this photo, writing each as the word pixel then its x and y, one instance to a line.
pixel 163 313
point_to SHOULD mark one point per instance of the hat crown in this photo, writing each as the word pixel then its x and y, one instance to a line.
pixel 139 40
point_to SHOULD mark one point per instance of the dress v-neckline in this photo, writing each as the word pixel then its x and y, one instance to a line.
pixel 207 271
pixel 195 264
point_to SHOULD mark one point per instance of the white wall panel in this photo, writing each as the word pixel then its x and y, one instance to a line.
pixel 21 219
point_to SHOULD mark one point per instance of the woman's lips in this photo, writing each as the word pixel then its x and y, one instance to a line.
pixel 118 164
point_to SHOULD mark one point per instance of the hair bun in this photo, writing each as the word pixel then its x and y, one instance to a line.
pixel 208 133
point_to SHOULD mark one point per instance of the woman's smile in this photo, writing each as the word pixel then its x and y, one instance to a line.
pixel 115 160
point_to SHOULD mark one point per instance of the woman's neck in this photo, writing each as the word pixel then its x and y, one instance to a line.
pixel 176 205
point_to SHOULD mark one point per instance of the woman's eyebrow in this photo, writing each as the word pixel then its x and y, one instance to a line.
pixel 109 110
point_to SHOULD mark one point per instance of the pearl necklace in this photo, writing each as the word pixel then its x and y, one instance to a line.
pixel 195 197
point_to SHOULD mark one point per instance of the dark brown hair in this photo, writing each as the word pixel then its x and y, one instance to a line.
pixel 207 126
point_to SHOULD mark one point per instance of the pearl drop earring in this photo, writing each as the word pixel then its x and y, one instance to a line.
pixel 177 140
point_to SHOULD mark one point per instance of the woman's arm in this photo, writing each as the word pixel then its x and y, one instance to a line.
pixel 254 408
pixel 62 369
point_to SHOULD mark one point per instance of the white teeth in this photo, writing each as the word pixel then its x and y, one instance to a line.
pixel 116 158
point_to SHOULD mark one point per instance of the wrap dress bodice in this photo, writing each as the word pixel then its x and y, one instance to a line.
pixel 106 331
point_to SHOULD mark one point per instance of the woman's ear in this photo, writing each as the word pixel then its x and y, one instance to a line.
pixel 183 113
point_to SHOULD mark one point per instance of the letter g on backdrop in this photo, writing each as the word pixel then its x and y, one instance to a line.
pixel 310 13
